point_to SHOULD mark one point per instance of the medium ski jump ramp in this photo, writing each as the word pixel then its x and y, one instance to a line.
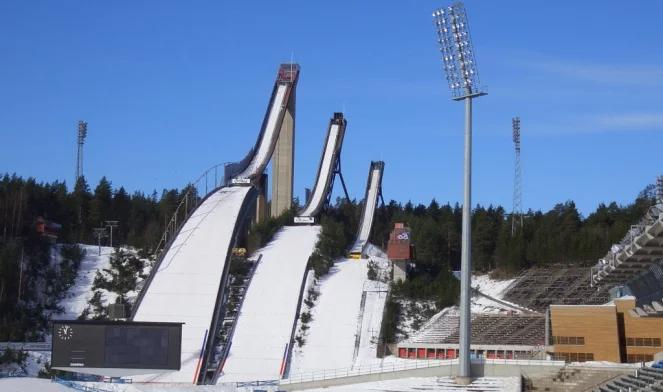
pixel 326 170
pixel 373 191
pixel 269 312
pixel 188 283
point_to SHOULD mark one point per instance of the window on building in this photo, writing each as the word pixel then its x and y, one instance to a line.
pixel 634 358
pixel 570 340
pixel 573 357
pixel 643 342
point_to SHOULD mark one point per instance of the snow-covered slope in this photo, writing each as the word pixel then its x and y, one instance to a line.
pixel 338 317
pixel 185 287
pixel 27 384
pixel 266 319
pixel 77 297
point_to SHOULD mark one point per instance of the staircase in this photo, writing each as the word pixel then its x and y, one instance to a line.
pixel 646 379
pixel 573 379
pixel 239 281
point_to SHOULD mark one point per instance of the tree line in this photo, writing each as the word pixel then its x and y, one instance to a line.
pixel 561 235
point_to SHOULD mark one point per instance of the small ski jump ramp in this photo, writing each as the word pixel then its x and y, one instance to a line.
pixel 373 191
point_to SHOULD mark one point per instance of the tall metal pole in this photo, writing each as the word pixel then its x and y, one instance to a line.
pixel 466 251
pixel 463 79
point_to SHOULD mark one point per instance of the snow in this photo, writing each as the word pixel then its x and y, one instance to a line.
pixel 376 298
pixel 492 287
pixel 369 210
pixel 265 323
pixel 186 286
pixel 78 295
pixel 28 384
pixel 416 384
pixel 319 192
pixel 330 342
pixel 268 140
pixel 337 318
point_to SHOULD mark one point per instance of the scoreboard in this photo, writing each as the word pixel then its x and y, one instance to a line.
pixel 116 345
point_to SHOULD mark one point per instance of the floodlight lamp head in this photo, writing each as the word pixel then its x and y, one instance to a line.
pixel 82 131
pixel 456 49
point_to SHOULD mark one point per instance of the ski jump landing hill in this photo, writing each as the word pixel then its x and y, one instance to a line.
pixel 373 191
pixel 188 282
pixel 262 342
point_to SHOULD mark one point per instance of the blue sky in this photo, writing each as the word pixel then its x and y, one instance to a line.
pixel 170 88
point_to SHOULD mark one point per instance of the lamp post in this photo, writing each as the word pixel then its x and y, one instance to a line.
pixel 463 79
pixel 99 232
pixel 111 225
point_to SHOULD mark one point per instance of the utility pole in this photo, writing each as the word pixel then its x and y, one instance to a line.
pixel 111 224
pixel 20 273
pixel 99 232
pixel 462 75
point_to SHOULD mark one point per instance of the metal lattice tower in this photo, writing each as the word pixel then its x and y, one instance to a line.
pixel 82 134
pixel 517 212
pixel 659 190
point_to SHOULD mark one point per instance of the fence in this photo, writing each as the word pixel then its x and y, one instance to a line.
pixel 405 365
pixel 25 346
pixel 189 202
pixel 77 386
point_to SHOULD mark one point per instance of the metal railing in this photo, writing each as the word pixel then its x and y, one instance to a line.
pixel 191 199
pixel 611 260
pixel 78 386
pixel 26 346
pixel 404 365
pixel 231 332
pixel 189 202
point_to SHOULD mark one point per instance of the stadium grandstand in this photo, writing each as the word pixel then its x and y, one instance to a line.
pixel 634 255
pixel 539 287
pixel 516 336
pixel 646 379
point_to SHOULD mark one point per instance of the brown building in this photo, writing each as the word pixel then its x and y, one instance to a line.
pixel 400 250
pixel 612 332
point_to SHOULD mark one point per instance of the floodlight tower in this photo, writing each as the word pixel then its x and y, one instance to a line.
pixel 82 134
pixel 517 212
pixel 463 78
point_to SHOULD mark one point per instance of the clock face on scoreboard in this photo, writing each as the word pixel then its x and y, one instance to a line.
pixel 65 332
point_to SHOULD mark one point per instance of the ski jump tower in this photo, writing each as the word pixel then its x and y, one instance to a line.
pixel 283 160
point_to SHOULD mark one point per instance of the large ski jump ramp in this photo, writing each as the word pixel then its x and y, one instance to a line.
pixel 373 190
pixel 266 320
pixel 189 278
pixel 189 281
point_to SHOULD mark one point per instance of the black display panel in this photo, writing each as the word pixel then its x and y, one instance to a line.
pixel 112 344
